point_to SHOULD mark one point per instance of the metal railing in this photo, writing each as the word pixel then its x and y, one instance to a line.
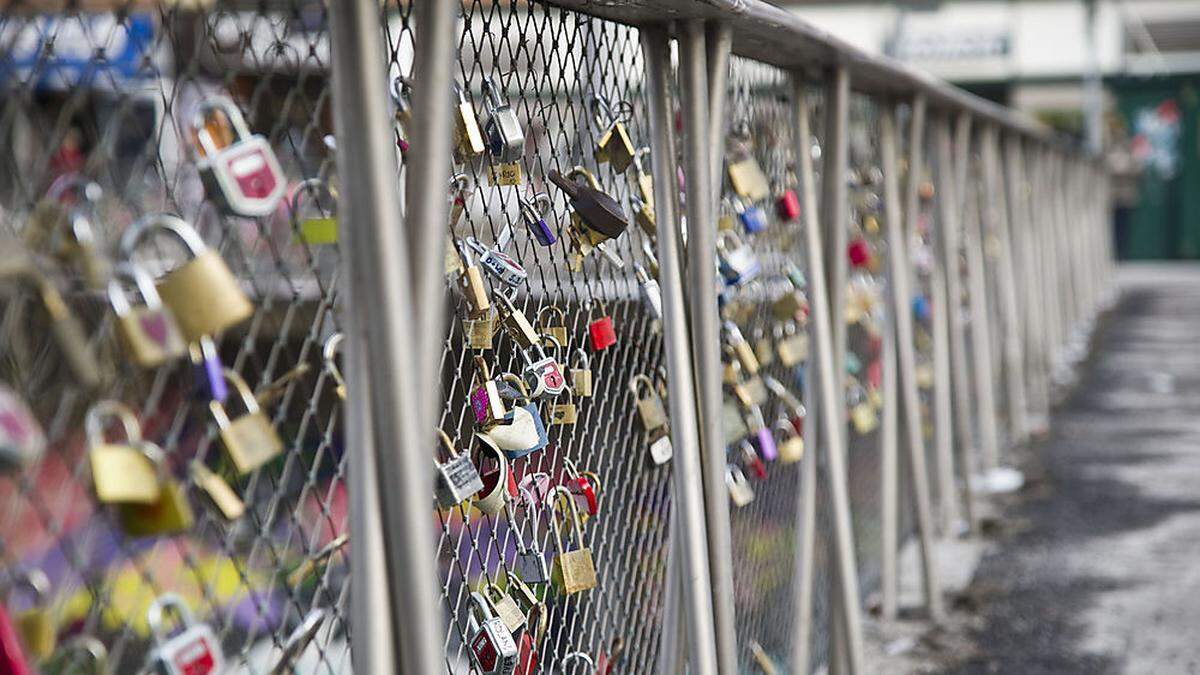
pixel 926 267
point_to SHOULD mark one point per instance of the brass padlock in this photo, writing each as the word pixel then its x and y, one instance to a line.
pixel 581 375
pixel 564 413
pixel 468 137
pixel 250 440
pixel 169 514
pixel 740 490
pixel 329 354
pixel 203 293
pixel 34 624
pixel 614 145
pixel 573 570
pixel 741 349
pixel 218 491
pixel 122 473
pixel 148 331
pixel 556 332
pixel 650 407
pixel 791 449
pixel 486 404
pixel 505 607
pixel 471 283
pixel 480 332
pixel 516 323
pixel 792 346
pixel 748 180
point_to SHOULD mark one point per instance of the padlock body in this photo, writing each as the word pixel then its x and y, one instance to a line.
pixel 574 571
pixel 787 206
pixel 765 441
pixel 503 267
pixel 37 632
pixel 458 479
pixel 581 382
pixel 122 474
pixel 493 650
pixel 793 349
pixel 602 334
pixel 21 437
pixel 251 441
pixel 204 296
pixel 651 412
pixel 791 450
pixel 531 567
pixel 542 232
pixel 195 651
pixel 753 219
pixel 480 332
pixel 244 178
pixel 661 450
pixel 544 376
pixel 507 611
pixel 505 137
pixel 169 514
pixel 467 134
pixel 150 336
pixel 748 179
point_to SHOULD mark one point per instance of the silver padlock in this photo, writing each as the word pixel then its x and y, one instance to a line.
pixel 194 650
pixel 740 490
pixel 492 647
pixel 542 373
pixel 738 263
pixel 661 450
pixel 650 292
pixel 458 478
pixel 497 263
pixel 505 138
pixel 243 176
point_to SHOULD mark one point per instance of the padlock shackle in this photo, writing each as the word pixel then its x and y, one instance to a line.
pixel 591 305
pixel 160 606
pixel 551 308
pixel 576 523
pixel 399 88
pixel 493 97
pixel 451 451
pixel 460 183
pixel 638 379
pixel 34 580
pixel 244 392
pixel 93 648
pixel 578 171
pixel 74 183
pixel 95 421
pixel 232 114
pixel 329 354
pixel 518 383
pixel 131 271
pixel 587 361
pixel 141 229
pixel 582 656
pixel 314 186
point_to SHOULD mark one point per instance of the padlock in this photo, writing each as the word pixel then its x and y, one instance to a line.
pixel 22 440
pixel 764 349
pixel 791 448
pixel 581 375
pixel 751 460
pixel 121 472
pixel 314 230
pixel 762 659
pixel 584 488
pixel 522 432
pixel 148 331
pixel 564 414
pixel 554 332
pixel 468 137
pixel 486 404
pixel 61 227
pixel 243 177
pixel 530 563
pixel 203 294
pixel 503 133
pixel 661 450
pixel 751 216
pixel 573 570
pixel 790 305
pixel 748 180
pixel 329 352
pixel 542 373
pixel 589 665
pixel 760 433
pixel 491 645
pixel 460 190
pixel 787 205
pixel 218 491
pixel 250 440
pixel 601 332
pixel 516 323
pixel 614 145
pixel 480 332
pixel 792 346
pixel 643 216
pixel 738 263
pixel 80 655
pixel 169 514
pixel 34 624
pixel 493 496
pixel 650 292
pixel 507 175
pixel 533 213
pixel 794 409
pixel 68 332
pixel 208 373
pixel 193 650
pixel 597 210
pixel 401 94
pixel 733 423
pixel 497 263
pixel 740 490
pixel 859 252
pixel 505 607
pixel 741 349
pixel 457 477
pixel 649 406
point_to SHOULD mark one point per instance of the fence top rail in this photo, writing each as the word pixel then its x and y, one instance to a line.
pixel 775 36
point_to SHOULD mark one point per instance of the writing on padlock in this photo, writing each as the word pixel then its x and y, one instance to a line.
pixel 500 265
pixel 239 170
pixel 457 477
pixel 203 294
pixel 148 331
pixel 533 213
pixel 491 645
pixel 192 650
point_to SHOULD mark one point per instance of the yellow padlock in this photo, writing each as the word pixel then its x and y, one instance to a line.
pixel 34 624
pixel 203 293
pixel 250 440
pixel 122 473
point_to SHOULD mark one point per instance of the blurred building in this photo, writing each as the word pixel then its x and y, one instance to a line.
pixel 1141 56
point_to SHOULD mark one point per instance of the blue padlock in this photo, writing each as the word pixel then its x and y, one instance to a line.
pixel 752 217
pixel 533 213
pixel 208 373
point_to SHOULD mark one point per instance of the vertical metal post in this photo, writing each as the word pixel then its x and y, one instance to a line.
pixel 701 295
pixel 718 41
pixel 1002 214
pixel 807 522
pixel 688 492
pixel 889 471
pixel 950 212
pixel 901 308
pixel 378 266
pixel 831 403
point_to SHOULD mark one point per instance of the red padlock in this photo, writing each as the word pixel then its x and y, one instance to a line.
pixel 242 176
pixel 12 658
pixel 600 331
pixel 583 487
pixel 752 461
pixel 859 252
pixel 527 656
pixel 787 205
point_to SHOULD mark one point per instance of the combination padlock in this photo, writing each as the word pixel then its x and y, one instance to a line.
pixel 192 650
pixel 500 265
pixel 491 645
pixel 148 331
pixel 457 477
pixel 505 137
pixel 240 172
pixel 250 440
pixel 203 294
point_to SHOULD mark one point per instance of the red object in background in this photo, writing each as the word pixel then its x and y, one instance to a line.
pixel 12 659
pixel 859 252
pixel 788 205
pixel 527 657
pixel 875 374
pixel 875 346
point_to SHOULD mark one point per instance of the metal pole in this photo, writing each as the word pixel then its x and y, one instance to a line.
pixel 831 402
pixel 949 211
pixel 805 558
pixel 901 308
pixel 701 298
pixel 889 471
pixel 688 482
pixel 718 41
pixel 377 267
pixel 672 640
pixel 943 431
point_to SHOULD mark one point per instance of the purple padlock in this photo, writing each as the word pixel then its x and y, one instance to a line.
pixel 765 441
pixel 532 210
pixel 208 372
